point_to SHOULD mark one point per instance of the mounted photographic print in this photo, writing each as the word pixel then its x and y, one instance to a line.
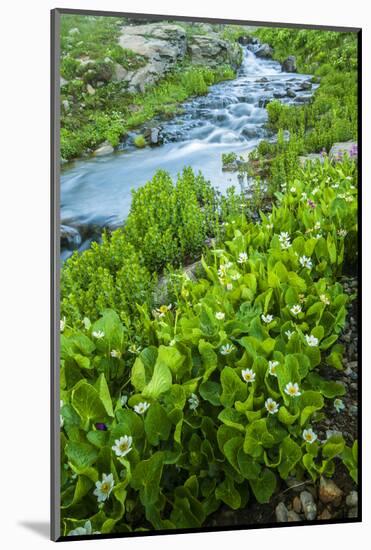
pixel 205 274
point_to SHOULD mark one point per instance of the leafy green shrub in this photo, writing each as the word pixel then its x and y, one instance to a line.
pixel 108 275
pixel 223 400
pixel 228 158
pixel 169 223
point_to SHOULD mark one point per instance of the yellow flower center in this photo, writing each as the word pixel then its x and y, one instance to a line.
pixel 105 487
pixel 123 446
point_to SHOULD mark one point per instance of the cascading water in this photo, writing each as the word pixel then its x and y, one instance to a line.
pixel 96 192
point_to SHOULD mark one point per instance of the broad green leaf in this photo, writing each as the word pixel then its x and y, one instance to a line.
pixel 233 387
pixel 291 454
pixel 147 478
pixel 228 494
pixel 263 487
pixel 161 379
pixel 210 391
pixel 230 417
pixel 156 424
pixel 249 468
pixel 104 394
pixel 81 455
pixel 87 403
pixel 334 446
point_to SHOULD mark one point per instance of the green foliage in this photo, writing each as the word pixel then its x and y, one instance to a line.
pixel 228 158
pixel 139 141
pixel 194 405
pixel 169 223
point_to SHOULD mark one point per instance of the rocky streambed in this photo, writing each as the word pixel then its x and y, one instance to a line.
pixel 96 191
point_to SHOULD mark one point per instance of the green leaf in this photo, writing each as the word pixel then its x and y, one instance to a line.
pixel 161 379
pixel 286 417
pixel 210 391
pixel 110 324
pixel 81 455
pixel 230 417
pixel 249 468
pixel 231 449
pixel 263 487
pixel 147 477
pixel 257 437
pixel 291 454
pixel 104 394
pixel 334 446
pixel 227 493
pixel 87 403
pixel 310 402
pixel 156 424
pixel 233 387
pixel 209 358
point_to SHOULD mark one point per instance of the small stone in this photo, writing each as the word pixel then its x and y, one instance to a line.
pixel 325 514
pixel 329 492
pixel 353 409
pixel 353 512
pixel 293 516
pixel 353 364
pixel 308 504
pixel 296 504
pixel 90 89
pixel 281 513
pixel 104 149
pixel 352 499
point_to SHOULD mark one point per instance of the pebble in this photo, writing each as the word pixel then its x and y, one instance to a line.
pixel 308 504
pixel 352 499
pixel 281 513
pixel 353 409
pixel 325 514
pixel 353 364
pixel 329 492
pixel 293 516
pixel 296 504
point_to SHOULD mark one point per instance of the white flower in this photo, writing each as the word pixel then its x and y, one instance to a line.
pixel 61 419
pixel 309 436
pixel 267 318
pixel 272 367
pixel 62 324
pixel 318 236
pixel 292 389
pixel 295 310
pixel 341 196
pixel 317 225
pixel 104 487
pixel 339 405
pixel 193 402
pixel 228 265
pixel 86 530
pixel 220 315
pixel 271 406
pixel 162 310
pixel 242 258
pixel 315 191
pixel 115 353
pixel 349 198
pixel 305 262
pixel 304 196
pixel 123 400
pixel 342 233
pixel 98 334
pixel 222 271
pixel 293 189
pixel 269 226
pixel 123 445
pixel 312 341
pixel 236 276
pixel 324 299
pixel 227 349
pixel 229 286
pixel 141 407
pixel 134 349
pixel 335 186
pixel 87 323
pixel 289 334
pixel 284 239
pixel 248 375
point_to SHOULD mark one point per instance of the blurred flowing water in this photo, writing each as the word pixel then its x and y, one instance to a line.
pixel 97 191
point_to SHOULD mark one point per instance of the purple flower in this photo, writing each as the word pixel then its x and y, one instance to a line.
pixel 311 203
pixel 101 426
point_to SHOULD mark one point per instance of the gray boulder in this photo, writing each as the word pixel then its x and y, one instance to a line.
pixel 289 65
pixel 70 237
pixel 265 50
pixel 213 51
pixel 161 44
pixel 104 149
